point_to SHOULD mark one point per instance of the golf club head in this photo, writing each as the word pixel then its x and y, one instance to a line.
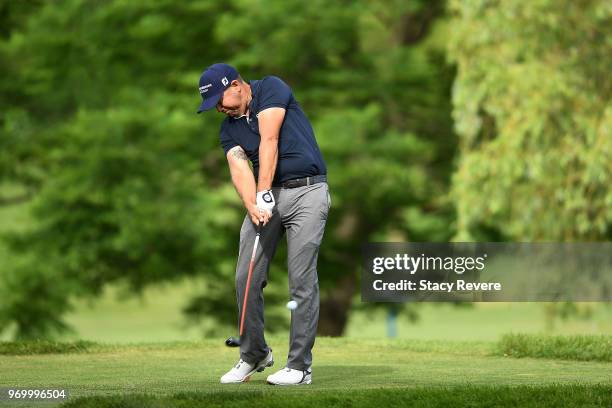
pixel 232 342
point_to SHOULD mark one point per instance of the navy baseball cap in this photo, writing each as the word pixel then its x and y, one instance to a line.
pixel 213 82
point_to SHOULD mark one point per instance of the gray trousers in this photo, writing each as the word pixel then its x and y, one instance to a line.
pixel 301 212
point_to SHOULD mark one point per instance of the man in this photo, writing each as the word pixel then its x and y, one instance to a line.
pixel 286 192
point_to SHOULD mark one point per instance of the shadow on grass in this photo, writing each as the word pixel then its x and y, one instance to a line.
pixel 351 373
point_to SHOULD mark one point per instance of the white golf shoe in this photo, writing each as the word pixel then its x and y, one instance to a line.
pixel 289 376
pixel 242 371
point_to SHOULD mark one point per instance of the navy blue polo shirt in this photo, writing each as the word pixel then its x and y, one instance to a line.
pixel 298 152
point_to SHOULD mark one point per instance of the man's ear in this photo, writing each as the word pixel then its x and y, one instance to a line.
pixel 235 82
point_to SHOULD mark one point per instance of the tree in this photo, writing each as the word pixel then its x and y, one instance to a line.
pixel 532 110
pixel 128 185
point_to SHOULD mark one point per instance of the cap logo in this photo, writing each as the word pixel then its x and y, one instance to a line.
pixel 224 81
pixel 204 89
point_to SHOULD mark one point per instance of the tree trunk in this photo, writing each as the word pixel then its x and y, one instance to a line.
pixel 335 307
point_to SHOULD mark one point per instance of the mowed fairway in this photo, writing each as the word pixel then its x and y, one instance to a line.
pixel 346 372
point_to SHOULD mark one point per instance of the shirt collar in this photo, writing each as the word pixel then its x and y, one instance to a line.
pixel 254 88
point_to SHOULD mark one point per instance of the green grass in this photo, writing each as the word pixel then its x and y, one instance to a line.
pixel 579 348
pixel 583 348
pixel 22 348
pixel 484 396
pixel 346 372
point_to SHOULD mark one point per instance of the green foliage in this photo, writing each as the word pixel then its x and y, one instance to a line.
pixel 116 156
pixel 129 185
pixel 532 109
pixel 34 299
pixel 582 348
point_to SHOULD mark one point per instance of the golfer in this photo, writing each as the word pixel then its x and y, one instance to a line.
pixel 286 192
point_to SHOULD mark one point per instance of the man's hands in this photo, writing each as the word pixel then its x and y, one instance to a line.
pixel 258 215
pixel 262 210
pixel 265 200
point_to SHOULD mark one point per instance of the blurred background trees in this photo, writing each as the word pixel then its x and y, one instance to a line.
pixel 532 111
pixel 471 120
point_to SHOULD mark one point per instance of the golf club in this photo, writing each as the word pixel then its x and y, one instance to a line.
pixel 233 341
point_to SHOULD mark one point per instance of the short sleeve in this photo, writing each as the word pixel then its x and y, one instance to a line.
pixel 274 93
pixel 226 141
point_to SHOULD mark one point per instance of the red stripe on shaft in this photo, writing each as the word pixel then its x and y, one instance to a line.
pixel 246 294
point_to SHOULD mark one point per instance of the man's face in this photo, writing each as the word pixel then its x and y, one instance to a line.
pixel 231 102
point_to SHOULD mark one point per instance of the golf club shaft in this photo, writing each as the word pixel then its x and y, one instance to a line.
pixel 248 283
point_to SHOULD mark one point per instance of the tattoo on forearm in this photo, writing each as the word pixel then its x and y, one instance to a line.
pixel 239 154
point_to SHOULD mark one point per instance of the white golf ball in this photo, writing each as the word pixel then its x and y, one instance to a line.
pixel 291 305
